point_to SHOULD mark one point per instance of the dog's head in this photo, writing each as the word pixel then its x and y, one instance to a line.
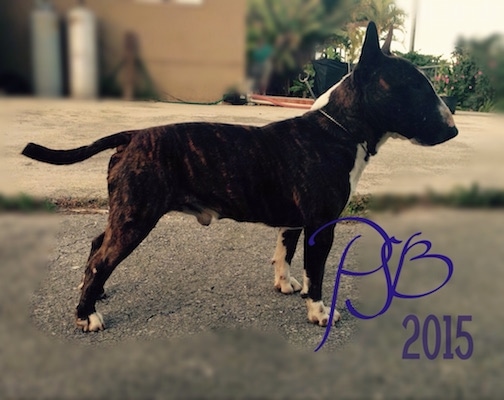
pixel 398 97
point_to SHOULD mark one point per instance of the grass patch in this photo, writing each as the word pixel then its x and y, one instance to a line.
pixel 466 198
pixel 360 205
pixel 25 203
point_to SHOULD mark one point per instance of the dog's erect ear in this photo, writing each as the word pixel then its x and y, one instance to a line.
pixel 386 46
pixel 371 47
pixel 371 56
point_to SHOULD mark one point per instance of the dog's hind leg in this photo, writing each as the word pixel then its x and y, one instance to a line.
pixel 286 246
pixel 95 245
pixel 315 257
pixel 137 201
pixel 122 235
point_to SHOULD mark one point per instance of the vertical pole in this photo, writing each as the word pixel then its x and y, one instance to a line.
pixel 130 58
pixel 413 26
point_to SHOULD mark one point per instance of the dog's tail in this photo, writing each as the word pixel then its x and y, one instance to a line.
pixel 64 157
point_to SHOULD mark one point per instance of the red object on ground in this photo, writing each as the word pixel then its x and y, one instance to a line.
pixel 292 102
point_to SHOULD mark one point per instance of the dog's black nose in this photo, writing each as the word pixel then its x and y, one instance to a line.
pixel 448 134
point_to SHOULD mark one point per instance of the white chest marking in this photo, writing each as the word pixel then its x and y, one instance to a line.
pixel 360 163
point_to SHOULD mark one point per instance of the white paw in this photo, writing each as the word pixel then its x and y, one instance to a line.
pixel 287 286
pixel 93 323
pixel 319 314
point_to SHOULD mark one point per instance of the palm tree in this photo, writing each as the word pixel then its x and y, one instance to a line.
pixel 384 13
pixel 293 28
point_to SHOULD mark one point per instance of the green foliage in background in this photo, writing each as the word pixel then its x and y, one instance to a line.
pixel 427 62
pixel 299 88
pixel 384 13
pixel 474 74
pixel 482 64
pixel 297 29
pixel 469 80
pixel 420 60
pixel 293 28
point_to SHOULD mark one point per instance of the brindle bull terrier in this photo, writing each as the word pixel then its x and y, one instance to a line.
pixel 296 174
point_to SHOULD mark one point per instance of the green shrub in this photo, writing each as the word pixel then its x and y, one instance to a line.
pixel 25 203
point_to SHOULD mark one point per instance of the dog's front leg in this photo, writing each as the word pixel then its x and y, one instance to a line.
pixel 315 257
pixel 286 246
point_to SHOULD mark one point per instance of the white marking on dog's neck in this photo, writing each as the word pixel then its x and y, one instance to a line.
pixel 361 161
pixel 356 172
pixel 362 155
pixel 323 99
